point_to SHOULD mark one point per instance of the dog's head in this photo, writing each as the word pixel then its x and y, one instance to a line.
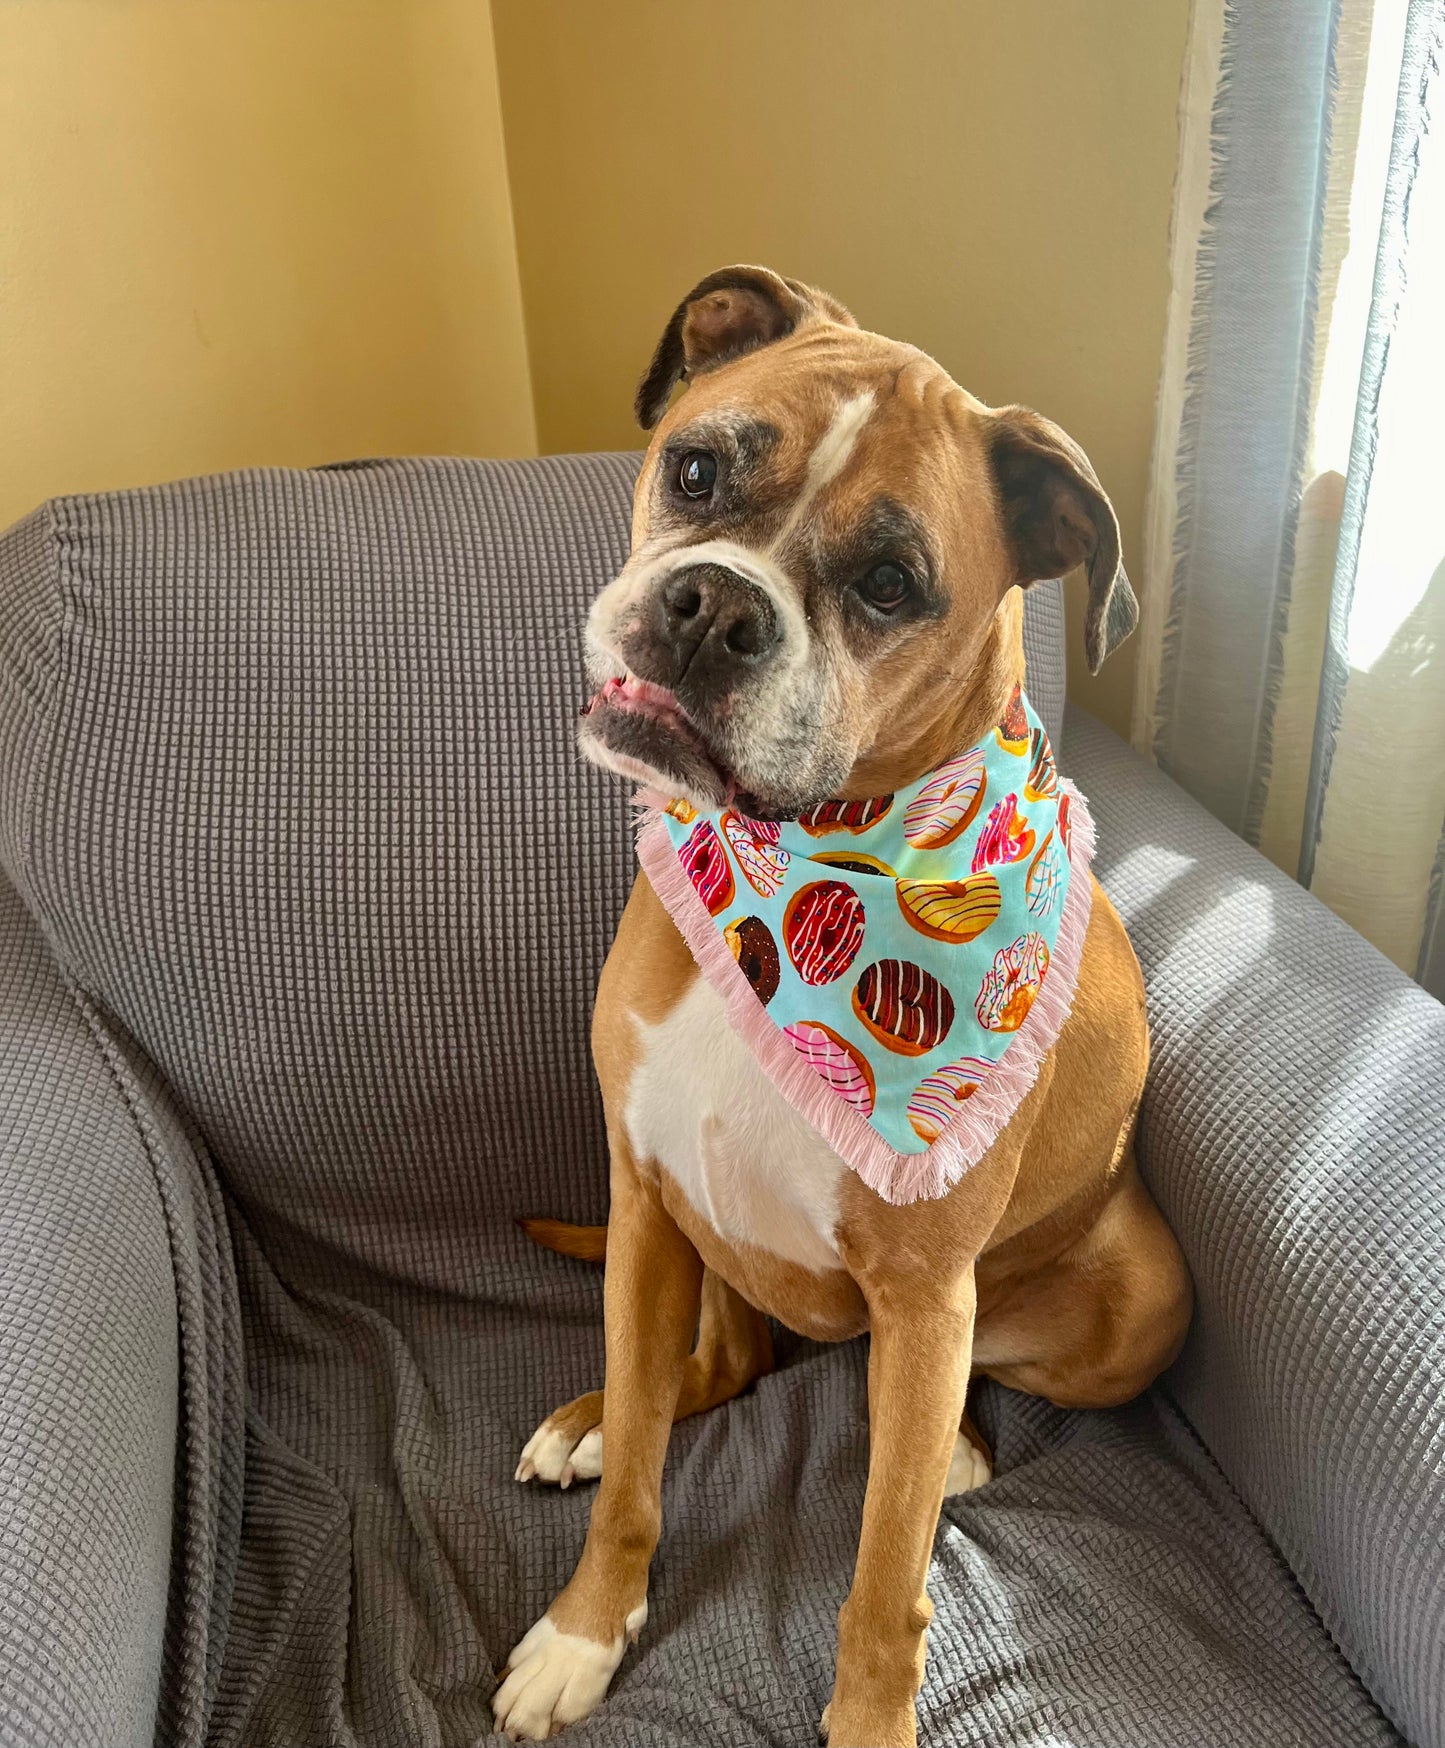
pixel 825 533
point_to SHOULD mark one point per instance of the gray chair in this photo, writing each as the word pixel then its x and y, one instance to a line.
pixel 305 894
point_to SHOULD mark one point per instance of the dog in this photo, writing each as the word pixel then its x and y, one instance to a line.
pixel 823 600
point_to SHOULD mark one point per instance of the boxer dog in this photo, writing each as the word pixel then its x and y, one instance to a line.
pixel 829 540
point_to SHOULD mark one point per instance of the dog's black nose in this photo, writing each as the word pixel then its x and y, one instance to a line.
pixel 715 620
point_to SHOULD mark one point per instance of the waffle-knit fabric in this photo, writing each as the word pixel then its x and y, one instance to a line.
pixel 312 1003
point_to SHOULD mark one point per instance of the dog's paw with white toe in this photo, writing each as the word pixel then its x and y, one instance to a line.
pixel 969 1468
pixel 553 1679
pixel 557 1455
pixel 586 1459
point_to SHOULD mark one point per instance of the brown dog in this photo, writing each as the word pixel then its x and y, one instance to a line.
pixel 828 534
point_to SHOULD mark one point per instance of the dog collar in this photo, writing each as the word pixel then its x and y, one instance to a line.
pixel 900 966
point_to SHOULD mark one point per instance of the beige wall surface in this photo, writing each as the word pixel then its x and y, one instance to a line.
pixel 250 231
pixel 990 182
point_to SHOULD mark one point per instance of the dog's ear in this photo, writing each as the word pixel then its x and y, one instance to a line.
pixel 1057 516
pixel 730 312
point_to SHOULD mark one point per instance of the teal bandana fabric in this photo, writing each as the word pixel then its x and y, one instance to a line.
pixel 899 965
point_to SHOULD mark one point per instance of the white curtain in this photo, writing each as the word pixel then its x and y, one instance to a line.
pixel 1293 665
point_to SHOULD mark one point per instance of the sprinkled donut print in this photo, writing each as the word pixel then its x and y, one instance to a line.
pixel 706 862
pixel 1006 836
pixel 761 859
pixel 836 1061
pixel 956 911
pixel 823 930
pixel 1009 987
pixel 905 1007
pixel 1045 884
pixel 938 1095
pixel 756 952
pixel 944 807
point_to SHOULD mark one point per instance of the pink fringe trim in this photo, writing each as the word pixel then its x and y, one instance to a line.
pixel 897 1177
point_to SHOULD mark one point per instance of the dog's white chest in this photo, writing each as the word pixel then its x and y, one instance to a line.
pixel 746 1161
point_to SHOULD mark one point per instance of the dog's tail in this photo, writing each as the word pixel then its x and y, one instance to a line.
pixel 586 1243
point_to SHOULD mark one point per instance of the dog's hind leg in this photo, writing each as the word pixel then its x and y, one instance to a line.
pixel 1102 1320
pixel 734 1348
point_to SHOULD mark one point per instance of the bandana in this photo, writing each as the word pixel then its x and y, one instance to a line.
pixel 899 966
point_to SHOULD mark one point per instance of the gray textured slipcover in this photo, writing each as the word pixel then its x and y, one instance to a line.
pixel 298 934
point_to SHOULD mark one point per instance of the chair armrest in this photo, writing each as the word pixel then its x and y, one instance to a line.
pixel 1293 1132
pixel 97 1237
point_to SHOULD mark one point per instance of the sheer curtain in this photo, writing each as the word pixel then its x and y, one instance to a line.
pixel 1292 673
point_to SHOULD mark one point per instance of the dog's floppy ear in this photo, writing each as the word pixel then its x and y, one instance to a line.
pixel 1057 516
pixel 730 312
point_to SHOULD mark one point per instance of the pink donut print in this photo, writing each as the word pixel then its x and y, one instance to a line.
pixel 706 862
pixel 836 1061
pixel 1006 836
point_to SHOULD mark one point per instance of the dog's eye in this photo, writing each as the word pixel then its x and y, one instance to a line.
pixel 886 586
pixel 697 473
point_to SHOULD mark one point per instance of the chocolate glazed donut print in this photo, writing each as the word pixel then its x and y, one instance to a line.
pixel 756 952
pixel 895 945
pixel 905 1007
pixel 844 816
pixel 1013 731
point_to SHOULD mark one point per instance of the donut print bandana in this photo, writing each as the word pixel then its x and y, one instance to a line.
pixel 899 966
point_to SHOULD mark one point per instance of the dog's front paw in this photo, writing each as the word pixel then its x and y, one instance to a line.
pixel 560 1452
pixel 554 1678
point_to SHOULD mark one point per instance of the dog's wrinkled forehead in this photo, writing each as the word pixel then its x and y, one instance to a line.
pixel 811 455
pixel 806 415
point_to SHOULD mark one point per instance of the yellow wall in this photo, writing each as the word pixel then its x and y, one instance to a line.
pixel 239 231
pixel 989 181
